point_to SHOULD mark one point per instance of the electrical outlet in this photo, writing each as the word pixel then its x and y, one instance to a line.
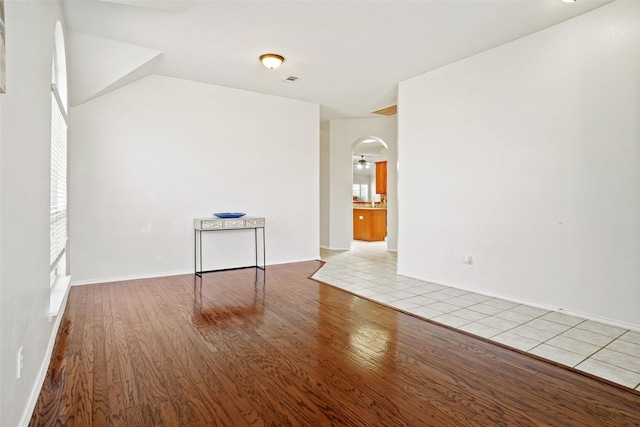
pixel 20 362
pixel 468 260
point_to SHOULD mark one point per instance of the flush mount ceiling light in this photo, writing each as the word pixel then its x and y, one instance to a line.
pixel 271 60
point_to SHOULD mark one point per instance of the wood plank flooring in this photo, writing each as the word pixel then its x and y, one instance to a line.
pixel 247 348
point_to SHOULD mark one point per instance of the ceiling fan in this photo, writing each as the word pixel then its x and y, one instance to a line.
pixel 362 163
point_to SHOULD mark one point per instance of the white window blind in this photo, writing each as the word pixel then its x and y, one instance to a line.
pixel 58 217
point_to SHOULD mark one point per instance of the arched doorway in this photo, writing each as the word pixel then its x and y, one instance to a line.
pixel 369 215
pixel 338 138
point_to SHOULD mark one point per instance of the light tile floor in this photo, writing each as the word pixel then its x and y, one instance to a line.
pixel 602 350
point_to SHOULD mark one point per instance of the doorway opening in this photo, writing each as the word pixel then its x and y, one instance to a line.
pixel 369 192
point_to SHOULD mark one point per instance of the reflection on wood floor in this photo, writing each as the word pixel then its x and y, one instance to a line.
pixel 250 348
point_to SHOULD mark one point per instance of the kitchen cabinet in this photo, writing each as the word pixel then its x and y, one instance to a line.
pixel 381 177
pixel 369 224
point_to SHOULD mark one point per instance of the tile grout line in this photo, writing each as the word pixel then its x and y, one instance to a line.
pixel 360 266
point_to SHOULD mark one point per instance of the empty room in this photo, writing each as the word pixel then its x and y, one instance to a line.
pixel 227 213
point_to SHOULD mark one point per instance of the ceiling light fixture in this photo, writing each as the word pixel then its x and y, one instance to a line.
pixel 362 163
pixel 271 60
pixel 569 1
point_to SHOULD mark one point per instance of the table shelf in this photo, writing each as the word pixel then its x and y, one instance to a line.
pixel 202 225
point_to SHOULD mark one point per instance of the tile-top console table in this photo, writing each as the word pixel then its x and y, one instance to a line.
pixel 201 225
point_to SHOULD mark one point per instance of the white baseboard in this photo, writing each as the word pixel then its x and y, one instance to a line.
pixel 335 249
pixel 606 320
pixel 166 274
pixel 44 367
pixel 131 277
pixel 548 307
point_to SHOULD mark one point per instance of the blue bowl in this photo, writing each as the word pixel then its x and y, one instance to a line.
pixel 229 214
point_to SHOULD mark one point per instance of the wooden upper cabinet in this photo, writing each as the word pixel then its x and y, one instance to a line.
pixel 381 177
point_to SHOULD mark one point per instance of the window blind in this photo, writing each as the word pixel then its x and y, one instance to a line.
pixel 58 218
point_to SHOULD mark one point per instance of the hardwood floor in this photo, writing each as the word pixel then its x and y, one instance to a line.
pixel 241 348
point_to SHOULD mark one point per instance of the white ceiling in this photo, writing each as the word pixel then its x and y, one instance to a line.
pixel 349 55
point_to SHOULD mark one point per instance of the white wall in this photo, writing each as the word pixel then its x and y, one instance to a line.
pixel 24 209
pixel 528 157
pixel 325 180
pixel 149 157
pixel 343 133
pixel 2 347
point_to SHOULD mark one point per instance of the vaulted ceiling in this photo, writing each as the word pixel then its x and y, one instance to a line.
pixel 349 55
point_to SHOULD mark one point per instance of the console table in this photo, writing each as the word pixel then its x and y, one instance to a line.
pixel 201 225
